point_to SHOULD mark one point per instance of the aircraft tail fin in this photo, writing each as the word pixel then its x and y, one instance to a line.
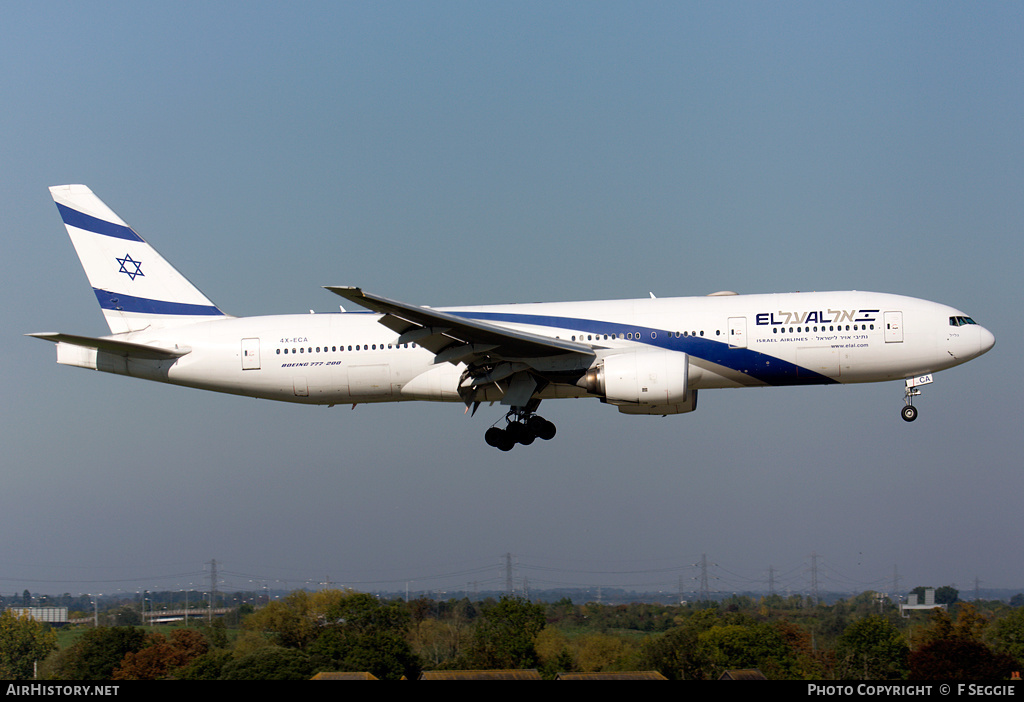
pixel 135 286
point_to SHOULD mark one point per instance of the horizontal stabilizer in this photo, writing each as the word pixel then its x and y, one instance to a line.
pixel 127 349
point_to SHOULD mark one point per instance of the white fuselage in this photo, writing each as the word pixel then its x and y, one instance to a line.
pixel 730 341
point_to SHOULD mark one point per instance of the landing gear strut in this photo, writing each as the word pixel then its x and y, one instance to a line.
pixel 522 427
pixel 909 412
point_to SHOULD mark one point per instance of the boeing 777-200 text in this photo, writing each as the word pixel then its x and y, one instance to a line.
pixel 648 356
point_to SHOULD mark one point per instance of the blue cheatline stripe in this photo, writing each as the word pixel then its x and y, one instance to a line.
pixel 758 366
pixel 142 305
pixel 89 223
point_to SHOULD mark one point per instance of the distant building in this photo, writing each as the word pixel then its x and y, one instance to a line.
pixel 746 674
pixel 344 676
pixel 929 602
pixel 480 675
pixel 50 615
pixel 624 675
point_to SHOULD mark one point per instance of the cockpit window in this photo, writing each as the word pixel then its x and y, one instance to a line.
pixel 960 321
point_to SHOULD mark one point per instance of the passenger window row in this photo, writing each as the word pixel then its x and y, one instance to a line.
pixel 336 349
pixel 833 327
pixel 635 336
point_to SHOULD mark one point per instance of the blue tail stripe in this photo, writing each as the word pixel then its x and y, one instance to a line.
pixel 89 223
pixel 127 303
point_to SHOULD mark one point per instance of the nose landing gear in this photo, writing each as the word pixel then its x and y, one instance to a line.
pixel 909 412
pixel 523 427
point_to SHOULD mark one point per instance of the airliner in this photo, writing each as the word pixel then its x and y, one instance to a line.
pixel 646 356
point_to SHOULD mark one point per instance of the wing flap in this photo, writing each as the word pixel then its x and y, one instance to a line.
pixel 437 330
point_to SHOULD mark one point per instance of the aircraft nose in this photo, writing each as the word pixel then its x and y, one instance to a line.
pixel 986 340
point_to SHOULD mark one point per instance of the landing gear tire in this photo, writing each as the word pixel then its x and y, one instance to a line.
pixel 516 432
pixel 909 413
pixel 520 433
pixel 499 439
pixel 494 436
pixel 523 428
pixel 541 428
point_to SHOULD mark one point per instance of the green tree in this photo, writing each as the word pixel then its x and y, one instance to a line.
pixel 23 641
pixel 288 622
pixel 359 633
pixel 98 653
pixel 216 633
pixel 365 613
pixel 554 653
pixel 209 666
pixel 339 630
pixel 1006 635
pixel 506 635
pixel 438 641
pixel 947 595
pixel 672 653
pixel 732 646
pixel 598 652
pixel 384 653
pixel 126 615
pixel 871 649
pixel 270 663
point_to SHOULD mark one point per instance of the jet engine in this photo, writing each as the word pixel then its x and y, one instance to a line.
pixel 644 381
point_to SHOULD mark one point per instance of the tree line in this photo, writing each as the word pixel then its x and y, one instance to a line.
pixel 296 636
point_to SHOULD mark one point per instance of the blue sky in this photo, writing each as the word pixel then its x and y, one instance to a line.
pixel 450 153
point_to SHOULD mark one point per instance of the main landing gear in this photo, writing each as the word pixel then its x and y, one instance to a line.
pixel 909 412
pixel 523 427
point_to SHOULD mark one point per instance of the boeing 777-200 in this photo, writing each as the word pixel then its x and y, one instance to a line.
pixel 648 356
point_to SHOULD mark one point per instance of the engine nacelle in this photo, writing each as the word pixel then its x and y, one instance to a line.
pixel 648 381
pixel 688 406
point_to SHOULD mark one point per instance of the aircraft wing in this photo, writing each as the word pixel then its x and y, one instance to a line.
pixel 455 338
